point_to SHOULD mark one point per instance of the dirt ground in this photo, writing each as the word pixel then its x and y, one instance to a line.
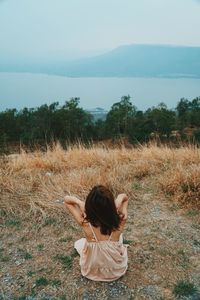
pixel 38 260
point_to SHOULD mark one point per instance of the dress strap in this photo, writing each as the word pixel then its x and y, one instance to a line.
pixel 95 237
pixel 110 237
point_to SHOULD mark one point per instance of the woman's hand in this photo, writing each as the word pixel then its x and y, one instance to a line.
pixel 121 198
pixel 121 203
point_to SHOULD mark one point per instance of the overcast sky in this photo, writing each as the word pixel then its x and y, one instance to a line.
pixel 39 29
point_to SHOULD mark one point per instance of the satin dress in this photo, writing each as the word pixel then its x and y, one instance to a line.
pixel 102 260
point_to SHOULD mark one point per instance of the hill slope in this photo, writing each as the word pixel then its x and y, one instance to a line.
pixel 125 61
pixel 37 235
pixel 138 61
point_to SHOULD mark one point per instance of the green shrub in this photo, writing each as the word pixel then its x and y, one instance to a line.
pixel 41 281
pixel 184 288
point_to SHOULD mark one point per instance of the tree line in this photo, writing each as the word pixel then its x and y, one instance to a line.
pixel 70 122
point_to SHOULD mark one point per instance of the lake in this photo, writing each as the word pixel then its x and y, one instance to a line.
pixel 18 90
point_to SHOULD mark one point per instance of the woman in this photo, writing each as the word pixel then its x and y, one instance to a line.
pixel 103 257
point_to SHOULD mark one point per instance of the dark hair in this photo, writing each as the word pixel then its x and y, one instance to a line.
pixel 101 211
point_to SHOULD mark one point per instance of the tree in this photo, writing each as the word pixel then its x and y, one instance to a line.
pixel 195 112
pixel 119 119
pixel 183 113
pixel 8 125
pixel 76 122
pixel 99 130
pixel 142 128
pixel 162 119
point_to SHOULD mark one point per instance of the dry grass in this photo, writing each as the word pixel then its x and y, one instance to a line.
pixel 183 184
pixel 32 181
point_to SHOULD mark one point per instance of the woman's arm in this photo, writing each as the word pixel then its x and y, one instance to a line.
pixel 76 207
pixel 121 203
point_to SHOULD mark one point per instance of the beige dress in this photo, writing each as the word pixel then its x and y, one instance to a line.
pixel 102 260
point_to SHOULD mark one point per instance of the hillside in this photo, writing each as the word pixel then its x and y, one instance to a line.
pixel 162 231
pixel 138 61
pixel 126 61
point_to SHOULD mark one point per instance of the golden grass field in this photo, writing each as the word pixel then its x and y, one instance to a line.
pixel 163 228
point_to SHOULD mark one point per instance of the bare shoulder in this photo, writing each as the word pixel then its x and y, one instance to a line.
pixel 87 230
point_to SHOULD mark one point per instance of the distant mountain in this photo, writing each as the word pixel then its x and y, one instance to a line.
pixel 131 61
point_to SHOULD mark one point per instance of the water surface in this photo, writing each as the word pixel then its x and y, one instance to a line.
pixel 18 90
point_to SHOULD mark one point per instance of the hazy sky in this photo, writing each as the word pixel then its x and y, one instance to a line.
pixel 41 29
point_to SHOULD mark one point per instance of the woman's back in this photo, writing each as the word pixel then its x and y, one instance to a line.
pixel 94 233
pixel 102 260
